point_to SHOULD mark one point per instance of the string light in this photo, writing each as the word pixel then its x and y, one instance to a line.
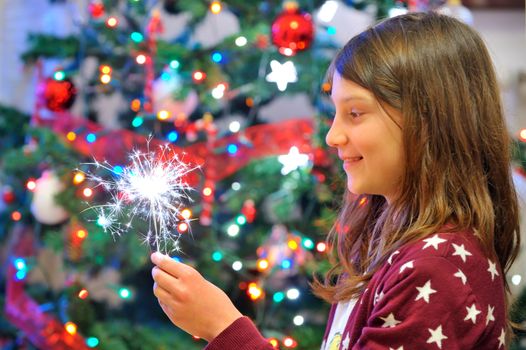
pixel 71 328
pixel 263 264
pixel 78 178
pixel 234 126
pixel 59 75
pixel 16 216
pixel 522 135
pixel 91 137
pixel 254 291
pixel 215 7
pixel 71 136
pixel 163 115
pixel 105 69
pixel 321 247
pixel 140 59
pixel 112 22
pixel 135 105
pixel 105 79
pixel 182 227
pixel 237 265
pixel 137 121
pixel 87 192
pixel 124 293
pixel 293 293
pixel 198 76
pixel 92 342
pixel 217 256
pixel 298 320
pixel 83 294
pixel 81 234
pixel 207 191
pixel 289 342
pixel 278 297
pixel 308 243
pixel 233 230
pixel 31 185
pixel 241 41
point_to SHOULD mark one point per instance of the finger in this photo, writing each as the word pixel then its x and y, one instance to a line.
pixel 171 266
pixel 165 280
pixel 161 294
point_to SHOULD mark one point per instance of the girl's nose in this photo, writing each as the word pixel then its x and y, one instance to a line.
pixel 335 136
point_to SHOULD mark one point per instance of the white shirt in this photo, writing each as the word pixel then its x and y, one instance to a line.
pixel 341 316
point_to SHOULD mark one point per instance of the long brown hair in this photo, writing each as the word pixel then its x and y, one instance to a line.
pixel 438 73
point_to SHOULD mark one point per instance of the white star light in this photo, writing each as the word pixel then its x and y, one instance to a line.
pixel 502 338
pixel 490 316
pixel 433 241
pixel 407 265
pixel 390 321
pixel 461 251
pixel 425 291
pixel 293 160
pixel 472 313
pixel 461 275
pixel 282 74
pixel 492 269
pixel 436 336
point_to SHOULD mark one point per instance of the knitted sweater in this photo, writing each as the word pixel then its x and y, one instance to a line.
pixel 441 292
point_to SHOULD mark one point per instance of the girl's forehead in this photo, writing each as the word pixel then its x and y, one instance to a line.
pixel 347 90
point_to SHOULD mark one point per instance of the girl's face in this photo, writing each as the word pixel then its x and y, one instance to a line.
pixel 369 141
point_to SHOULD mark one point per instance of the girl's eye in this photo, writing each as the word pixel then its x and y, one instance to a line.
pixel 354 114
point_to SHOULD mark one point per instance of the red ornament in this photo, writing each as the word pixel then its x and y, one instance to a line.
pixel 292 31
pixel 96 8
pixel 58 95
pixel 8 196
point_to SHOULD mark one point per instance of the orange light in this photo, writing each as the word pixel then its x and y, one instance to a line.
pixel 136 105
pixel 82 234
pixel 105 78
pixel 71 136
pixel 104 69
pixel 215 7
pixel 292 244
pixel 182 227
pixel 88 192
pixel 140 59
pixel 196 337
pixel 263 264
pixel 249 101
pixel 363 201
pixel 71 328
pixel 83 294
pixel 321 247
pixel 254 291
pixel 326 87
pixel 198 76
pixel 522 135
pixel 294 25
pixel 289 342
pixel 112 22
pixel 79 178
pixel 163 115
pixel 16 216
pixel 186 214
pixel 207 191
pixel 31 185
pixel 274 342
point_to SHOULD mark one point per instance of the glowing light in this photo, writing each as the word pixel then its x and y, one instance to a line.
pixel 186 214
pixel 182 227
pixel 153 189
pixel 173 136
pixel 135 105
pixel 522 135
pixel 292 244
pixel 87 192
pixel 308 243
pixel 71 328
pixel 234 126
pixel 20 275
pixel 137 37
pixel 241 41
pixel 331 30
pixel 263 264
pixel 124 293
pixel 218 93
pixel 82 234
pixel 198 76
pixel 83 294
pixel 294 25
pixel 59 75
pixel 298 320
pixel 207 191
pixel 117 169
pixel 31 185
pixel 293 293
pixel 215 7
pixel 140 59
pixel 363 201
pixel 112 22
pixel 254 291
pixel 79 178
pixel 327 11
pixel 233 230
pixel 397 11
pixel 293 160
pixel 282 74
pixel 163 115
pixel 516 279
pixel 92 342
pixel 278 297
pixel 287 51
pixel 288 342
pixel 286 264
pixel 232 148
pixel 321 247
pixel 217 57
pixel 241 219
pixel 237 265
pixel 105 69
pixel 71 136
pixel 274 342
pixel 217 256
pixel 174 64
pixel 236 186
pixel 91 138
pixel 137 121
pixel 105 78
pixel 20 264
pixel 16 216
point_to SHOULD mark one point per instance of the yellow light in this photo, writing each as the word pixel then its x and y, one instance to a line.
pixel 71 328
pixel 88 192
pixel 363 201
pixel 112 22
pixel 83 294
pixel 294 25
pixel 274 342
pixel 263 264
pixel 31 185
pixel 207 191
pixel 82 234
pixel 105 78
pixel 182 227
pixel 163 115
pixel 254 291
pixel 292 244
pixel 79 178
pixel 105 69
pixel 321 247
pixel 186 214
pixel 522 135
pixel 215 7
pixel 140 59
pixel 71 136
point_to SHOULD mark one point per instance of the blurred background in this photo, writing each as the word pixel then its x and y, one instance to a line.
pixel 234 88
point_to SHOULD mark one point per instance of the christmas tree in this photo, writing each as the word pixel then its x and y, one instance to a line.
pixel 235 90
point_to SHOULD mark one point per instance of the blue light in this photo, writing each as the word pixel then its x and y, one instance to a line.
pixel 331 30
pixel 308 243
pixel 174 64
pixel 217 57
pixel 173 136
pixel 20 264
pixel 137 121
pixel 217 256
pixel 278 297
pixel 117 169
pixel 166 76
pixel 176 258
pixel 92 342
pixel 137 37
pixel 91 138
pixel 286 264
pixel 21 274
pixel 232 148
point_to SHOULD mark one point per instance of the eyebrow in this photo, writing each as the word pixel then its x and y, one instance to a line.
pixel 350 98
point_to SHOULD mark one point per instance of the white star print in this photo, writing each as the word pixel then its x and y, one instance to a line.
pixel 378 297
pixel 345 343
pixel 433 241
pixel 502 338
pixel 400 348
pixel 461 275
pixel 390 260
pixel 472 313
pixel 436 336
pixel 390 321
pixel 492 269
pixel 489 316
pixel 425 291
pixel 408 264
pixel 282 74
pixel 461 251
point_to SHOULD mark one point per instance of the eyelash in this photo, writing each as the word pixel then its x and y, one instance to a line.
pixel 354 114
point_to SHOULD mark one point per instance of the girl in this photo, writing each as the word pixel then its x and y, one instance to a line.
pixel 430 220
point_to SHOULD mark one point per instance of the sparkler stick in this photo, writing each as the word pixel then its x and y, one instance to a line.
pixel 151 188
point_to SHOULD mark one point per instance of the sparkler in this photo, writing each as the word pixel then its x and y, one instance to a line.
pixel 151 188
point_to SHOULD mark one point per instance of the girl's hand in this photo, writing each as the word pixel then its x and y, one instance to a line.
pixel 190 301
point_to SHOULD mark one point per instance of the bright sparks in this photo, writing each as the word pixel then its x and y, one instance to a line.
pixel 152 189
